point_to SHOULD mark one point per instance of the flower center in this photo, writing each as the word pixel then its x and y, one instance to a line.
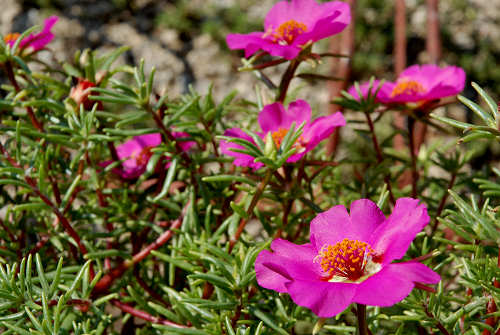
pixel 11 37
pixel 349 260
pixel 286 32
pixel 407 86
pixel 280 134
pixel 143 156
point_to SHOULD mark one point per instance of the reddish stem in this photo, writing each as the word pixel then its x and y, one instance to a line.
pixel 286 79
pixel 144 315
pixel 413 155
pixel 148 289
pixel 8 231
pixel 438 323
pixel 380 157
pixel 423 287
pixel 169 136
pixel 443 202
pixel 268 64
pixel 491 307
pixel 255 199
pixel 62 219
pixel 107 280
pixel 12 78
pixel 39 245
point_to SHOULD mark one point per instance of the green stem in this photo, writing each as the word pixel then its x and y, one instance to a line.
pixel 362 325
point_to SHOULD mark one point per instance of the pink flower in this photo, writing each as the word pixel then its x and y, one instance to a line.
pixel 275 119
pixel 35 41
pixel 289 25
pixel 419 84
pixel 137 152
pixel 364 88
pixel 349 258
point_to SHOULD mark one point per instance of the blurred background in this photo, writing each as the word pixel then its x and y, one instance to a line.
pixel 184 39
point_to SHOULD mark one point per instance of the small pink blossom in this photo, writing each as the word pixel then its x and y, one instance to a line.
pixel 277 120
pixel 289 25
pixel 349 258
pixel 422 83
pixel 35 41
pixel 364 87
pixel 136 153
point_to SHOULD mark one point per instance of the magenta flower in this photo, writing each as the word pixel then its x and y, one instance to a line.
pixel 289 25
pixel 35 41
pixel 418 84
pixel 349 258
pixel 137 152
pixel 275 119
pixel 364 88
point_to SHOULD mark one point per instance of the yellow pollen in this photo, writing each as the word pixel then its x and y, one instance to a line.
pixel 345 259
pixel 407 86
pixel 280 134
pixel 286 32
pixel 11 37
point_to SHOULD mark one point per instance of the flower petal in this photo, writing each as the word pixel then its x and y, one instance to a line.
pixel 418 272
pixel 270 271
pixel 249 42
pixel 287 262
pixel 136 144
pixel 330 227
pixel 303 11
pixel 385 92
pixel 385 288
pixel 365 218
pixel 148 140
pixel 255 41
pixel 272 117
pixel 40 40
pixel 303 257
pixel 393 283
pixel 298 111
pixel 335 224
pixel 321 128
pixel 185 145
pixel 331 18
pixel 449 82
pixel 241 159
pixel 393 237
pixel 323 298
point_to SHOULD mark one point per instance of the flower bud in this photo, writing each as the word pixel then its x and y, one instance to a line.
pixel 81 93
pixel 270 149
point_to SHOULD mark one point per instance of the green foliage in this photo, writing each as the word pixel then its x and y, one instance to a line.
pixel 85 251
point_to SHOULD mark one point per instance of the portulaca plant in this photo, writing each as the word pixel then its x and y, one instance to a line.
pixel 129 211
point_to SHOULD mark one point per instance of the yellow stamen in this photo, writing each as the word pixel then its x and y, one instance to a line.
pixel 407 86
pixel 286 32
pixel 11 37
pixel 280 134
pixel 345 259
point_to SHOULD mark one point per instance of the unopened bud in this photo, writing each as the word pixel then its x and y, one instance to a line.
pixel 81 93
pixel 270 149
